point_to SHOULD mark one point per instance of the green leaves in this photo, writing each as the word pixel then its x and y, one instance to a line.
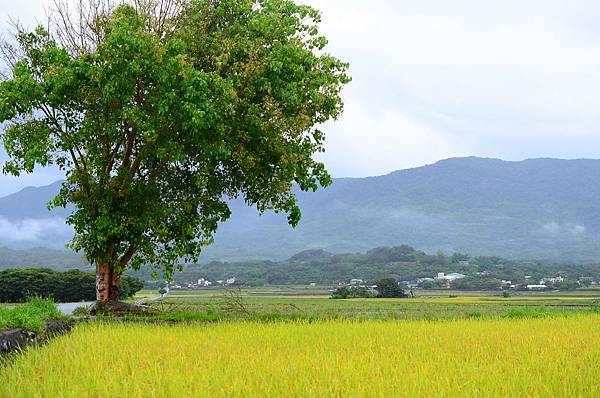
pixel 157 130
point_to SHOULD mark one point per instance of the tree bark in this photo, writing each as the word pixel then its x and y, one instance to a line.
pixel 115 287
pixel 108 283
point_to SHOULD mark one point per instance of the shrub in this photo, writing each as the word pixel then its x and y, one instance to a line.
pixel 536 312
pixel 346 292
pixel 390 288
pixel 31 315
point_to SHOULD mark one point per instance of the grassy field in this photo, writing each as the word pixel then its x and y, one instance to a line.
pixel 311 303
pixel 553 357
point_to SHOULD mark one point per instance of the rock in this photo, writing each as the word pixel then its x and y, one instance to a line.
pixel 57 327
pixel 15 339
pixel 120 308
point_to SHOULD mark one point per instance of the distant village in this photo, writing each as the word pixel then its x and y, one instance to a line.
pixel 446 281
pixel 204 283
pixel 441 280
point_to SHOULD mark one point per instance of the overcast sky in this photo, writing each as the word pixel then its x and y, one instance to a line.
pixel 433 79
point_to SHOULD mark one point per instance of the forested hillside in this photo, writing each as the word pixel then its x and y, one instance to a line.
pixel 534 209
pixel 403 263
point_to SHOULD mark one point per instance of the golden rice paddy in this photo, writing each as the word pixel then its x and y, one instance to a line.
pixel 553 357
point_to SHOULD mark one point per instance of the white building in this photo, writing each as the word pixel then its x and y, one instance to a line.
pixel 203 282
pixel 450 277
pixel 555 279
pixel 536 287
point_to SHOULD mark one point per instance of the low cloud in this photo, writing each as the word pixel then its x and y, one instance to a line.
pixel 48 231
pixel 556 229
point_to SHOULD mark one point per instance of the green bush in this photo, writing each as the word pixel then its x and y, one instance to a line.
pixel 31 315
pixel 346 292
pixel 389 288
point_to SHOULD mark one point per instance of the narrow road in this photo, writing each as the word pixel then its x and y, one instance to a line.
pixel 154 298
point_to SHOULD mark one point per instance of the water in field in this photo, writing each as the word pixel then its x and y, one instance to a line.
pixel 69 308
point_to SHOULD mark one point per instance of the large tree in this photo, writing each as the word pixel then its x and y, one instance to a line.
pixel 160 111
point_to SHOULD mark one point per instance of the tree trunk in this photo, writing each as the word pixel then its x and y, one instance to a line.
pixel 115 287
pixel 108 283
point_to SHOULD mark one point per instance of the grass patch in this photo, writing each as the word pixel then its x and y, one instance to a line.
pixel 535 312
pixel 31 315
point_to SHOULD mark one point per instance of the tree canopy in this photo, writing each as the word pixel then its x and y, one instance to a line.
pixel 159 115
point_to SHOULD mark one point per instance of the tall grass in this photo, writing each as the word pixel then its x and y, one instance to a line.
pixel 31 315
pixel 544 357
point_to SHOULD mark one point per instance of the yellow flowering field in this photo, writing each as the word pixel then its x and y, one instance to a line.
pixel 550 357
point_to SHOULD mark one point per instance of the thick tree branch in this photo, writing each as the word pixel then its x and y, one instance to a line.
pixel 131 134
pixel 127 256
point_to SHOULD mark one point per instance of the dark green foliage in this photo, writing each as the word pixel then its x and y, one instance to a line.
pixel 432 284
pixel 389 288
pixel 567 284
pixel 130 285
pixel 477 283
pixel 310 255
pixel 19 285
pixel 346 292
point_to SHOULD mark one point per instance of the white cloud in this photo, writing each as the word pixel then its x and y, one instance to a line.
pixel 507 79
pixel 34 230
pixel 367 143
pixel 438 78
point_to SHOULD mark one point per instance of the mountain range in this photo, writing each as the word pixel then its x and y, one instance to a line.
pixel 531 209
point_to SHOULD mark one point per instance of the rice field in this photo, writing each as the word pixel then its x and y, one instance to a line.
pixel 420 308
pixel 548 357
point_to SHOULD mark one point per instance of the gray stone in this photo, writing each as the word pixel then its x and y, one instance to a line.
pixel 15 339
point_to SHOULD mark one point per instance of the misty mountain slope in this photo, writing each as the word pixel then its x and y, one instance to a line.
pixel 32 203
pixel 536 208
pixel 540 208
pixel 26 222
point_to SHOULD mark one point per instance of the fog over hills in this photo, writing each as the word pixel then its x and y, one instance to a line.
pixel 539 208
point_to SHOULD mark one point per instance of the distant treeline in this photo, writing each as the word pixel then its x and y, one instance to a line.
pixel 18 285
pixel 403 263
